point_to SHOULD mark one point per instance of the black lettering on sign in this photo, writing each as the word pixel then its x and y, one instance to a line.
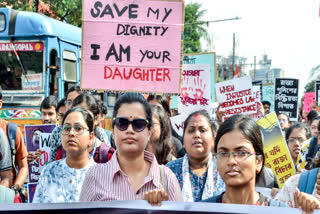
pixel 108 10
pixel 96 6
pixel 154 12
pixel 118 57
pixel 94 56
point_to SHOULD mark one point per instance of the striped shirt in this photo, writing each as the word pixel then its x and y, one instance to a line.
pixel 107 182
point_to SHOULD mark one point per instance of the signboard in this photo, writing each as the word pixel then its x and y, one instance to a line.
pixel 235 96
pixel 177 122
pixel 22 46
pixel 277 155
pixel 195 88
pixel 317 89
pixel 32 82
pixel 286 97
pixel 268 95
pixel 37 137
pixel 132 45
pixel 309 97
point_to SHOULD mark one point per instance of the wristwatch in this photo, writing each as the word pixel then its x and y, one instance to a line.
pixel 15 189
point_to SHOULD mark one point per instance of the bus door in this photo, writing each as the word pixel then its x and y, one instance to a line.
pixel 53 75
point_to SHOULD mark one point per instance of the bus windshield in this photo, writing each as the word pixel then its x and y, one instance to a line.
pixel 21 66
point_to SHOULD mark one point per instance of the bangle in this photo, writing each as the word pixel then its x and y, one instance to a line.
pixel 15 189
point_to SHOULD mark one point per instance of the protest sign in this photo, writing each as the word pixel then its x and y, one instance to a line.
pixel 276 152
pixel 201 58
pixel 195 88
pixel 177 123
pixel 31 190
pixel 34 140
pixel 268 94
pixel 258 83
pixel 235 96
pixel 132 45
pixel 256 95
pixel 317 89
pixel 142 207
pixel 286 97
pixel 309 97
pixel 45 150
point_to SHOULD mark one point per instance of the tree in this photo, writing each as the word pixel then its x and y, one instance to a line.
pixel 69 11
pixel 24 5
pixel 193 32
pixel 314 75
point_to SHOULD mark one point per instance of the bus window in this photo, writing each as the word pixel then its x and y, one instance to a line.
pixel 52 79
pixel 69 69
pixel 25 74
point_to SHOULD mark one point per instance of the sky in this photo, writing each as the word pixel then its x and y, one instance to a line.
pixel 288 31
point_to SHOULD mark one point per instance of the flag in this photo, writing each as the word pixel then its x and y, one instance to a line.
pixel 236 73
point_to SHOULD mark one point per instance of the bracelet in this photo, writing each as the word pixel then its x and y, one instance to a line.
pixel 15 189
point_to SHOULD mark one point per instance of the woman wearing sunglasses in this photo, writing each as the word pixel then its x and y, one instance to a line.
pixel 61 181
pixel 197 171
pixel 132 173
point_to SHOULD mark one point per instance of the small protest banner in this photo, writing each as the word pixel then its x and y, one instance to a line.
pixel 177 123
pixel 132 45
pixel 195 88
pixel 268 95
pixel 235 96
pixel 276 152
pixel 286 97
pixel 258 83
pixel 309 97
pixel 317 89
pixel 34 140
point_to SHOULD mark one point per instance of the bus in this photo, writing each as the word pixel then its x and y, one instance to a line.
pixel 39 56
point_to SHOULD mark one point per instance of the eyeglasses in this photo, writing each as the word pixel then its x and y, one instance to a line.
pixel 78 129
pixel 238 156
pixel 282 120
pixel 293 140
pixel 123 123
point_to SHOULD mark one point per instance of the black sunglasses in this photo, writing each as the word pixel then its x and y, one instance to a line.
pixel 123 123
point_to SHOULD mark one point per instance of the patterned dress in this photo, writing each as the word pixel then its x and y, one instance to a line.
pixel 60 183
pixel 197 183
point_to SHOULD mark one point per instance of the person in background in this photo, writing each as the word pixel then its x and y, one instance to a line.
pixel 19 161
pixel 103 111
pixel 132 173
pixel 61 181
pixel 240 159
pixel 314 125
pixel 100 150
pixel 197 171
pixel 311 115
pixel 296 135
pixel 309 156
pixel 5 161
pixel 161 143
pixel 164 102
pixel 284 121
pixel 55 140
pixel 48 109
pixel 61 110
pixel 266 107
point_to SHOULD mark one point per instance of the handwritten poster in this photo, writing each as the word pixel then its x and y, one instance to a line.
pixel 195 88
pixel 258 83
pixel 132 45
pixel 177 123
pixel 309 97
pixel 268 95
pixel 236 96
pixel 34 140
pixel 286 97
pixel 277 155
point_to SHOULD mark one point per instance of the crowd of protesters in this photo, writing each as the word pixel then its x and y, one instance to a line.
pixel 143 158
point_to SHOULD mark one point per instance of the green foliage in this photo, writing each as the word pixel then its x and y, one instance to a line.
pixel 310 87
pixel 69 11
pixel 24 5
pixel 193 33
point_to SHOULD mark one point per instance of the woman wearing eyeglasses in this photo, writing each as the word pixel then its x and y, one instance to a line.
pixel 284 121
pixel 296 135
pixel 197 171
pixel 132 173
pixel 239 152
pixel 61 181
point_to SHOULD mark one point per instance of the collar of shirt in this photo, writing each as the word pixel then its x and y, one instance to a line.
pixel 153 175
